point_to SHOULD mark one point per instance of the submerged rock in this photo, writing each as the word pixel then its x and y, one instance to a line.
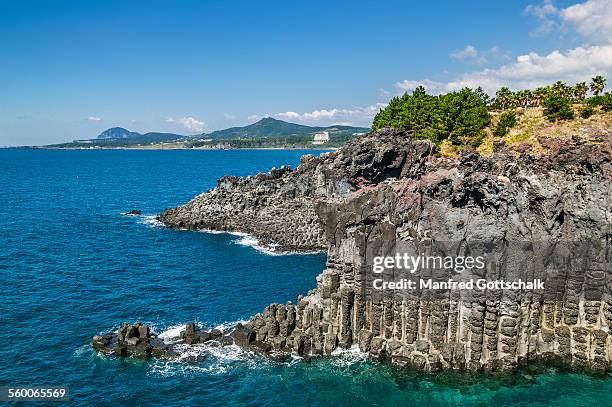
pixel 134 212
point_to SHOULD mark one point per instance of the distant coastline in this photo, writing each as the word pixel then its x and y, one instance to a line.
pixel 158 148
pixel 267 133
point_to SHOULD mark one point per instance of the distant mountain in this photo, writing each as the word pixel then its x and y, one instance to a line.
pixel 132 137
pixel 267 131
pixel 270 127
pixel 117 133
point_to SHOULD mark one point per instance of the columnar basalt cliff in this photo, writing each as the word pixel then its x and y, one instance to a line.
pixel 383 190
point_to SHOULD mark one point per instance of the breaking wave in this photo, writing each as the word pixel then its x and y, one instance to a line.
pixel 150 220
pixel 208 357
pixel 243 239
pixel 347 357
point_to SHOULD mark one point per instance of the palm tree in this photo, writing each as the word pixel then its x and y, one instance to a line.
pixel 580 90
pixel 523 97
pixel 539 94
pixel 503 97
pixel 513 99
pixel 559 88
pixel 598 83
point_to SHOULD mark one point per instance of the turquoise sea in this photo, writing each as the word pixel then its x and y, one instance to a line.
pixel 72 266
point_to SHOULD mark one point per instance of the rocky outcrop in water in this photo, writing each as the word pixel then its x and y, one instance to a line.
pixel 385 191
pixel 137 340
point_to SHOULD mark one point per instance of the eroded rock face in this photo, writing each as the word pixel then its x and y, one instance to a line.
pixel 279 207
pixel 383 189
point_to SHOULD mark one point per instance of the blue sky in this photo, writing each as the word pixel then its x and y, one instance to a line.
pixel 69 70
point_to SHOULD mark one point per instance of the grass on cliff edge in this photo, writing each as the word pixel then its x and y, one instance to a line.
pixel 532 130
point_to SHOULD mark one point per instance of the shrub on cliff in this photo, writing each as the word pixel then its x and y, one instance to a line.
pixel 457 116
pixel 604 101
pixel 557 108
pixel 606 104
pixel 586 112
pixel 507 120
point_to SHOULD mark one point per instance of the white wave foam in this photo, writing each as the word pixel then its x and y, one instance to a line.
pixel 271 249
pixel 172 333
pixel 226 327
pixel 150 220
pixel 246 239
pixel 206 357
pixel 253 242
pixel 347 357
pixel 219 232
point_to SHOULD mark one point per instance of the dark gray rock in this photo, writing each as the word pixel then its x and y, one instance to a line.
pixel 385 189
pixel 243 336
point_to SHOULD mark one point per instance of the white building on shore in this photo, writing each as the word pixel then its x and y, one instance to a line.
pixel 321 138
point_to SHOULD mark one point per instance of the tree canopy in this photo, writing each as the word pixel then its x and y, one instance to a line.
pixel 461 116
pixel 456 116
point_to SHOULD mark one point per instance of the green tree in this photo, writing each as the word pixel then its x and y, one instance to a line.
pixel 452 116
pixel 417 114
pixel 523 98
pixel 557 107
pixel 598 83
pixel 559 88
pixel 507 120
pixel 586 112
pixel 464 113
pixel 606 102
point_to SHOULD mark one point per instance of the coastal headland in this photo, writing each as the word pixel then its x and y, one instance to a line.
pixel 537 215
pixel 386 188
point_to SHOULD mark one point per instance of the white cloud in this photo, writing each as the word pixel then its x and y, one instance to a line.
pixel 499 54
pixel 546 13
pixel 384 93
pixel 342 116
pixel 228 116
pixel 468 54
pixel 190 123
pixel 94 118
pixel 532 70
pixel 592 19
pixel 529 71
pixel 432 87
pixel 355 115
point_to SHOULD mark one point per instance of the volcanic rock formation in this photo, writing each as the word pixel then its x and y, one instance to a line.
pixel 137 340
pixel 384 190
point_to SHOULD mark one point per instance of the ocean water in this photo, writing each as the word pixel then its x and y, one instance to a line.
pixel 72 266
